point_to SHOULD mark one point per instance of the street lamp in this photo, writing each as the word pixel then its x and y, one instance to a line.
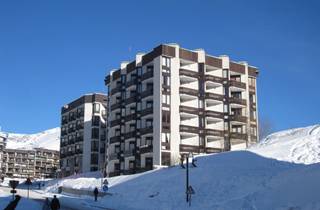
pixel 189 189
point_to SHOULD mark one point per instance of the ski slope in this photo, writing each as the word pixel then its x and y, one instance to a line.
pixel 49 139
pixel 280 173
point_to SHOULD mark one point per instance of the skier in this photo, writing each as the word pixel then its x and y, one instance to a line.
pixel 95 192
pixel 55 204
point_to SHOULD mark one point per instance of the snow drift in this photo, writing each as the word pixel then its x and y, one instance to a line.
pixel 49 139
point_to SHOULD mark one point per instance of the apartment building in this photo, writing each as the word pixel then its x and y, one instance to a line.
pixel 172 101
pixel 36 163
pixel 83 134
pixel 3 139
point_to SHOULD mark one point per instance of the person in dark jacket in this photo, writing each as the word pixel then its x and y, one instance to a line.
pixel 95 192
pixel 13 204
pixel 55 204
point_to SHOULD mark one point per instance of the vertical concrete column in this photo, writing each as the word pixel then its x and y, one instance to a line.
pixel 174 108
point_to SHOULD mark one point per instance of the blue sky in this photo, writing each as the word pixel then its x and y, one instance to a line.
pixel 51 52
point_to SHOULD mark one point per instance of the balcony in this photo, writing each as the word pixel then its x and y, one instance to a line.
pixel 131 134
pixel 115 106
pixel 113 156
pixel 189 91
pixel 187 112
pixel 146 93
pixel 131 99
pixel 147 75
pixel 116 90
pixel 213 116
pixel 79 138
pixel 238 136
pixel 238 118
pixel 188 73
pixel 213 150
pixel 187 76
pixel 146 130
pixel 115 122
pixel 189 129
pixel 236 85
pixel 146 111
pixel 130 117
pixel 146 149
pixel 238 102
pixel 128 153
pixel 213 81
pixel 115 139
pixel 190 148
pixel 131 82
pixel 214 96
pixel 213 132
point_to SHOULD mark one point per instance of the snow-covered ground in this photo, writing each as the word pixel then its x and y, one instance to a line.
pixel 23 204
pixel 300 145
pixel 280 173
pixel 49 139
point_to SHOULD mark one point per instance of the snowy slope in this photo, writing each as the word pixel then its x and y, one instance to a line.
pixel 249 179
pixel 300 145
pixel 49 139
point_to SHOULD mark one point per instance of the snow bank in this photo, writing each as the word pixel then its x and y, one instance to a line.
pixel 301 145
pixel 49 139
pixel 276 174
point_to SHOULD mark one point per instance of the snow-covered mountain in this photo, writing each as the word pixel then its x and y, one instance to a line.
pixel 49 139
pixel 263 177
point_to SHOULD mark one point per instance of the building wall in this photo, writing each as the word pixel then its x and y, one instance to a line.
pixel 210 106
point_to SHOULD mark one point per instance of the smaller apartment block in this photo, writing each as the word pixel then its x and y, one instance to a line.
pixel 36 163
pixel 172 101
pixel 2 146
pixel 83 135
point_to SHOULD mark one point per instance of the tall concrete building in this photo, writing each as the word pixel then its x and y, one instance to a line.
pixel 173 101
pixel 83 135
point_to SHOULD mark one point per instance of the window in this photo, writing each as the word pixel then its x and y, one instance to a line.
pixel 95 133
pixel 123 78
pixel 200 102
pixel 94 146
pixel 149 123
pixel 165 80
pixel 139 71
pixel 132 127
pixel 95 121
pixel 94 158
pixel 96 108
pixel 149 68
pixel 139 88
pixel 236 95
pixel 235 78
pixel 117 132
pixel 166 62
pixel 236 111
pixel 117 148
pixel 131 164
pixel 225 108
pixel 166 137
pixel 149 140
pixel 166 99
pixel 149 104
pixel 225 73
pixel 201 122
pixel 131 146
